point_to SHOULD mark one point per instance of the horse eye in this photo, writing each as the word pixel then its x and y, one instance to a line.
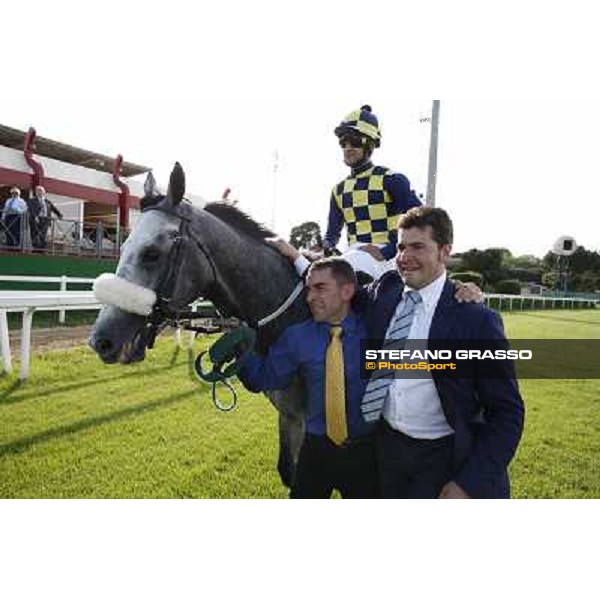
pixel 151 255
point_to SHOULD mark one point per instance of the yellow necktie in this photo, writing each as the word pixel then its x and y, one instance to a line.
pixel 335 388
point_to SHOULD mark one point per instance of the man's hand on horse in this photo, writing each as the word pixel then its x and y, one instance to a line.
pixel 468 292
pixel 373 250
pixel 312 255
pixel 284 247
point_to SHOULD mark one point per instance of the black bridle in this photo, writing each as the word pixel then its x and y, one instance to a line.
pixel 162 314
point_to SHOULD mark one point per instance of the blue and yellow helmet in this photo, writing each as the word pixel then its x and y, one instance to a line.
pixel 364 122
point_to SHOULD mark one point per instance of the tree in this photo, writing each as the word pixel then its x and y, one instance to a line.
pixel 306 235
pixel 550 280
pixel 468 276
pixel 525 261
pixel 487 262
pixel 508 286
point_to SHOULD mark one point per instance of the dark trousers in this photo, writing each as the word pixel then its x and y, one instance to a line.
pixel 322 467
pixel 38 227
pixel 13 230
pixel 412 468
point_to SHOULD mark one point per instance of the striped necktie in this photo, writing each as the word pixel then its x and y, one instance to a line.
pixel 335 388
pixel 395 338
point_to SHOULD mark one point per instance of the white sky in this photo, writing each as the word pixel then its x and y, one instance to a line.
pixel 222 86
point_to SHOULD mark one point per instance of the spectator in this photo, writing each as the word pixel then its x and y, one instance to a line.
pixel 12 217
pixel 40 214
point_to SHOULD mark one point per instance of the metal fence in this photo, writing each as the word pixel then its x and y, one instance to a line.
pixel 512 302
pixel 63 237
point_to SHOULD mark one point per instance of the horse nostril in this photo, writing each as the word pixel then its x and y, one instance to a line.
pixel 103 346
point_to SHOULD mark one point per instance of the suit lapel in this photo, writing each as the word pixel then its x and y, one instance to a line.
pixel 390 308
pixel 442 317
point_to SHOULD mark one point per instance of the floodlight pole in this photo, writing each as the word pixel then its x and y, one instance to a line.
pixel 433 144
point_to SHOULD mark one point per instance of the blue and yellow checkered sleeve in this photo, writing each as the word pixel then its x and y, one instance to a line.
pixel 335 222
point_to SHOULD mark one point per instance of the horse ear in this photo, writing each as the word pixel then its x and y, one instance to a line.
pixel 150 189
pixel 176 185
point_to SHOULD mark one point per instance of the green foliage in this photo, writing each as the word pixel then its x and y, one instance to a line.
pixel 584 260
pixel 487 262
pixel 528 275
pixel 468 276
pixel 550 280
pixel 588 281
pixel 508 286
pixel 583 268
pixel 525 261
pixel 305 236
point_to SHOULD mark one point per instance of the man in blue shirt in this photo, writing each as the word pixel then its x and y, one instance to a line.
pixel 12 217
pixel 348 463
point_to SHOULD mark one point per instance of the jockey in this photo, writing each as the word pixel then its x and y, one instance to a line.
pixel 369 201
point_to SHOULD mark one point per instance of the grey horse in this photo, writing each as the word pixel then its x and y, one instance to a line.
pixel 177 253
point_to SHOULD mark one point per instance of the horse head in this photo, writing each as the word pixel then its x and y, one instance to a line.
pixel 146 280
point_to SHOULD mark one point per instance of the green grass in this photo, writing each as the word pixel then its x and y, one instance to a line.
pixel 559 456
pixel 81 429
pixel 45 319
pixel 553 324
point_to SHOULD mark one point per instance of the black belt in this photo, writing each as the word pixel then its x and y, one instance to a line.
pixel 348 443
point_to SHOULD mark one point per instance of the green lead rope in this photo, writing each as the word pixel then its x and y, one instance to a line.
pixel 224 355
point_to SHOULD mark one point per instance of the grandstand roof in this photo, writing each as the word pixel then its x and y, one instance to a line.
pixel 14 138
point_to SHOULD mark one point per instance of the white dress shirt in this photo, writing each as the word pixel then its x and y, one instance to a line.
pixel 14 206
pixel 413 405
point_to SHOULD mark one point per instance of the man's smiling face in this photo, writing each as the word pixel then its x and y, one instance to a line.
pixel 420 259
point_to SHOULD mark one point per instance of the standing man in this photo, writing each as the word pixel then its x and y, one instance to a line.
pixel 369 201
pixel 40 214
pixel 324 351
pixel 439 436
pixel 12 217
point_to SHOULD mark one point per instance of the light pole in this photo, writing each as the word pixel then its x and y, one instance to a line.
pixel 433 144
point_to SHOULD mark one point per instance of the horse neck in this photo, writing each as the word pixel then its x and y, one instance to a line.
pixel 252 278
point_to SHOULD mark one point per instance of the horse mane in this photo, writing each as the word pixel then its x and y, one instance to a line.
pixel 238 220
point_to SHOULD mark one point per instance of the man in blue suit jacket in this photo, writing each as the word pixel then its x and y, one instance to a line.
pixel 440 436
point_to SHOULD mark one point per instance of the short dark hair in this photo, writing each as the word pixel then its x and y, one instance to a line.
pixel 341 269
pixel 437 218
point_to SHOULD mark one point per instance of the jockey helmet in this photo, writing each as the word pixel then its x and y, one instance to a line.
pixel 362 121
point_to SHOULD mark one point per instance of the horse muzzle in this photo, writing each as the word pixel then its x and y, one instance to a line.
pixel 120 333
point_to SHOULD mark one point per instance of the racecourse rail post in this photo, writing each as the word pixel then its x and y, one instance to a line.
pixel 63 288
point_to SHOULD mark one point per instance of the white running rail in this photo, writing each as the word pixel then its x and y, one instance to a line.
pixel 63 281
pixel 28 302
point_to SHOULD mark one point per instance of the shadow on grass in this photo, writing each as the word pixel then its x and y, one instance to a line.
pixel 554 318
pixel 13 387
pixel 23 444
pixel 5 396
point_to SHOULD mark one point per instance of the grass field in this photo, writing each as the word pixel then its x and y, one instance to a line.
pixel 80 429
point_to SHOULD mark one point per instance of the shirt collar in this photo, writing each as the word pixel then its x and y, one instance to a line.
pixel 362 167
pixel 349 323
pixel 430 294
